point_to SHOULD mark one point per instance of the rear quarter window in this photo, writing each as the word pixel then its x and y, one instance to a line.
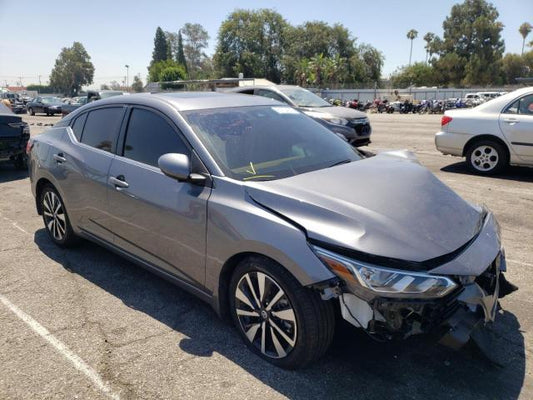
pixel 77 126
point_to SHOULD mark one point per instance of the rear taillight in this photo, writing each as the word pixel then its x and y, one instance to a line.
pixel 445 120
pixel 29 146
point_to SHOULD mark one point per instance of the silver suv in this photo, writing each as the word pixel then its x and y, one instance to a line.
pixel 260 211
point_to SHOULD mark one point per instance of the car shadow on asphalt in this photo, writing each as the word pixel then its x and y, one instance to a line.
pixel 521 174
pixel 354 367
pixel 9 173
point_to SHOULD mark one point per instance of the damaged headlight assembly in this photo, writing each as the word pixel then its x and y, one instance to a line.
pixel 385 282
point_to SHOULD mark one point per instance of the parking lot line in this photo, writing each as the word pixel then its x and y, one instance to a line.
pixel 78 363
pixel 14 223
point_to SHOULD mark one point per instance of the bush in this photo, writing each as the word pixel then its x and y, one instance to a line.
pixel 172 70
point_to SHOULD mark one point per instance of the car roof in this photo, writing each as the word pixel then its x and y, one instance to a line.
pixel 496 104
pixel 185 101
pixel 271 87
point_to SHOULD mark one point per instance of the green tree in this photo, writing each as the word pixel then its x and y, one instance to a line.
pixel 411 35
pixel 195 39
pixel 73 69
pixel 372 62
pixel 417 74
pixel 513 66
pixel 524 30
pixel 137 84
pixel 251 42
pixel 472 39
pixel 180 55
pixel 161 47
pixel 335 43
pixel 428 38
pixel 172 43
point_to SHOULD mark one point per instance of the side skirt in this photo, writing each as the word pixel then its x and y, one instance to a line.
pixel 201 294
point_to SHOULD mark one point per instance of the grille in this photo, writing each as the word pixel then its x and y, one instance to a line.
pixel 361 126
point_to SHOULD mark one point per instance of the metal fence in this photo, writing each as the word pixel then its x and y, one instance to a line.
pixel 418 94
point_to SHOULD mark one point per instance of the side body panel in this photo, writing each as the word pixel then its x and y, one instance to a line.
pixel 159 219
pixel 83 180
pixel 518 130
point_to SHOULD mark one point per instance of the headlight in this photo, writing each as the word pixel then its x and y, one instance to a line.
pixel 384 281
pixel 337 121
pixel 327 117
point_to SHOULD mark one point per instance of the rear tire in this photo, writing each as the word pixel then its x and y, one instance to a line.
pixel 486 157
pixel 283 322
pixel 55 218
pixel 31 111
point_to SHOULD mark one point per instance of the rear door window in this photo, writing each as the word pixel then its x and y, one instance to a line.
pixel 102 127
pixel 522 106
pixel 149 136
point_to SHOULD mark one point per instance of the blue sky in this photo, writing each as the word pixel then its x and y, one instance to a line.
pixel 120 32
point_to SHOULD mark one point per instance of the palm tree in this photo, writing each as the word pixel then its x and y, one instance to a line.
pixel 411 35
pixel 524 30
pixel 428 38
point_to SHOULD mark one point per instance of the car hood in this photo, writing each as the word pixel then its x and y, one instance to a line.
pixel 341 112
pixel 388 206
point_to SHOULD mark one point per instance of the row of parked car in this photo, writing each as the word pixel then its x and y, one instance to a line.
pixel 51 105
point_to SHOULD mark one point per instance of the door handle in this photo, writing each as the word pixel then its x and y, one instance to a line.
pixel 511 121
pixel 60 158
pixel 119 182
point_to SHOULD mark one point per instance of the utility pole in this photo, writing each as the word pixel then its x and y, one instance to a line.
pixel 39 80
pixel 20 81
pixel 127 75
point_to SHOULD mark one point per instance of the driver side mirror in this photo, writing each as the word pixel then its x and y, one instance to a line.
pixel 178 166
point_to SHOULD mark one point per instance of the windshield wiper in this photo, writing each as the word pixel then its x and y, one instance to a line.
pixel 340 162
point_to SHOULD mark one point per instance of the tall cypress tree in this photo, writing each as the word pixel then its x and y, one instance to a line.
pixel 161 50
pixel 180 55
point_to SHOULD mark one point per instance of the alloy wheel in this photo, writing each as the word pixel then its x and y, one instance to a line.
pixel 484 158
pixel 265 314
pixel 54 215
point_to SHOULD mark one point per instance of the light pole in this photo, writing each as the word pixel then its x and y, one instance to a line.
pixel 127 75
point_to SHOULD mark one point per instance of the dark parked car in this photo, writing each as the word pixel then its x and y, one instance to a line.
pixel 92 95
pixel 68 108
pixel 352 124
pixel 260 211
pixel 48 105
pixel 14 135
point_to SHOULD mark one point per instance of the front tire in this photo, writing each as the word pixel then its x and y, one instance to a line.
pixel 55 217
pixel 486 157
pixel 32 112
pixel 283 322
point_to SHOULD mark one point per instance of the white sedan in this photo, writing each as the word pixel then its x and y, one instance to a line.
pixel 493 135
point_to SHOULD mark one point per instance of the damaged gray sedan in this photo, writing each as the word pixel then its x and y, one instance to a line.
pixel 272 219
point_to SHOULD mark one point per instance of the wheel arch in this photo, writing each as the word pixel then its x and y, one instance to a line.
pixel 478 138
pixel 41 183
pixel 222 298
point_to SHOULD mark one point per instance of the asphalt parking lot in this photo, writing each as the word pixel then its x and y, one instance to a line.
pixel 84 323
